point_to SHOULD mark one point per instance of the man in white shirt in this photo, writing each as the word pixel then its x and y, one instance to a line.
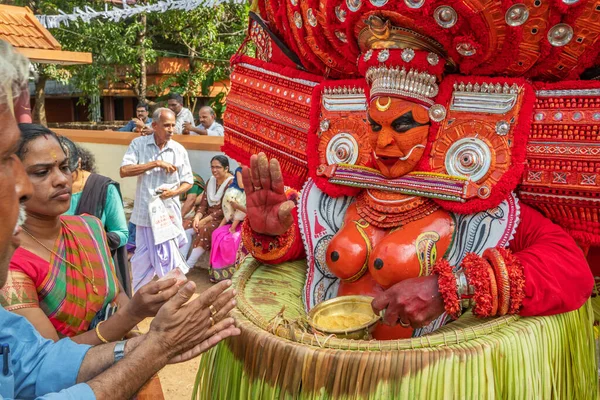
pixel 208 125
pixel 182 114
pixel 157 161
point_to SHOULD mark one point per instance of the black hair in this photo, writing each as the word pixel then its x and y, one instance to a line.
pixel 75 153
pixel 88 161
pixel 30 132
pixel 72 152
pixel 176 96
pixel 224 161
pixel 142 105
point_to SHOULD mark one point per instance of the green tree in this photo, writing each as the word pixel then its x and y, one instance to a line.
pixel 207 36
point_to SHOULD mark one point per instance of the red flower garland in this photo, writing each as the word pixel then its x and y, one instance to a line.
pixel 517 280
pixel 477 271
pixel 447 287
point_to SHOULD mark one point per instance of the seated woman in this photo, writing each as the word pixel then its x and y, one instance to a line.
pixel 189 201
pixel 99 196
pixel 210 213
pixel 62 278
pixel 227 238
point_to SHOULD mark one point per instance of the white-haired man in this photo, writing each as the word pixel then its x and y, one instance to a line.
pixel 158 162
pixel 34 367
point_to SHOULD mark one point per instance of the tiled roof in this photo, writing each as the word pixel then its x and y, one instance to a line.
pixel 19 27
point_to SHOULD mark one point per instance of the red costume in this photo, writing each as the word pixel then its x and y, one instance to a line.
pixel 429 160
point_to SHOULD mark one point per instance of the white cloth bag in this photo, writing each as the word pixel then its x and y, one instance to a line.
pixel 165 218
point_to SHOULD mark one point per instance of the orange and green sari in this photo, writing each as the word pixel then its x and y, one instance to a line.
pixel 70 293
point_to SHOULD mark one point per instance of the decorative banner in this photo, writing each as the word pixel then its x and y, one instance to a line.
pixel 117 14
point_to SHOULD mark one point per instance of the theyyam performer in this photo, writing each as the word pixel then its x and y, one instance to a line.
pixel 446 156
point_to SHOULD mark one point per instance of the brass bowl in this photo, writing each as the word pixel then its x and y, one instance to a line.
pixel 342 306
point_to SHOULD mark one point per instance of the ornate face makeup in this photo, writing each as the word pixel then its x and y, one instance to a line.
pixel 398 134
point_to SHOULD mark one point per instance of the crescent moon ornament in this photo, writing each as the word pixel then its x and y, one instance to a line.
pixel 385 107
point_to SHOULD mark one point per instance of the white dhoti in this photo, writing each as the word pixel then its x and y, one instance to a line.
pixel 152 259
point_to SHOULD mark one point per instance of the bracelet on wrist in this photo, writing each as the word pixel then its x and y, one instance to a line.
pixel 516 278
pixel 465 291
pixel 119 350
pixel 495 259
pixel 102 339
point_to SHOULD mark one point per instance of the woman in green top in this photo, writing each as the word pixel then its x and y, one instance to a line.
pixel 99 196
pixel 192 197
pixel 189 201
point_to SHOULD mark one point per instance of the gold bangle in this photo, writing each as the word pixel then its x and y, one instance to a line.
pixel 102 339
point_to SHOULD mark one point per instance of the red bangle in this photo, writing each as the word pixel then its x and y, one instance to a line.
pixel 493 290
pixel 479 275
pixel 447 287
pixel 494 257
pixel 517 280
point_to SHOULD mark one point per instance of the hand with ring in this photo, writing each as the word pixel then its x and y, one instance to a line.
pixel 186 327
pixel 269 212
pixel 411 303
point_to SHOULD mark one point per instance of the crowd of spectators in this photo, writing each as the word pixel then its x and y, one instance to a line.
pixel 68 326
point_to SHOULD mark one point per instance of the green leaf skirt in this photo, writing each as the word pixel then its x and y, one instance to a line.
pixel 498 358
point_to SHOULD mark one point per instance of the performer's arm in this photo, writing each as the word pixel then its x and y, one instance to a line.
pixel 557 276
pixel 543 272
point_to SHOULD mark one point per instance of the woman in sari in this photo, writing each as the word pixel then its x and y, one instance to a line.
pixel 210 213
pixel 62 278
pixel 227 238
pixel 99 196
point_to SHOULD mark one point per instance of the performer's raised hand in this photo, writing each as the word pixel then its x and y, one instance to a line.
pixel 268 210
pixel 413 302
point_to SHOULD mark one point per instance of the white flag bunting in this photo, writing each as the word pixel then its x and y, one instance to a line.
pixel 117 14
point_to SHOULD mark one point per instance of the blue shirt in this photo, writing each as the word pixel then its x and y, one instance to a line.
pixel 38 367
pixel 131 125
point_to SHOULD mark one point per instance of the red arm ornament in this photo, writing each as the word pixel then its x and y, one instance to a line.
pixel 274 249
pixel 543 272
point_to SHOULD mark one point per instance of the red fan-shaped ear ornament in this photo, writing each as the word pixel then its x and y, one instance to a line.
pixel 482 136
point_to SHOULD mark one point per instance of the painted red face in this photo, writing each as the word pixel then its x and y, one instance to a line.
pixel 398 134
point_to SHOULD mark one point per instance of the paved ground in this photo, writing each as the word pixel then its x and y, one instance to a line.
pixel 178 380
